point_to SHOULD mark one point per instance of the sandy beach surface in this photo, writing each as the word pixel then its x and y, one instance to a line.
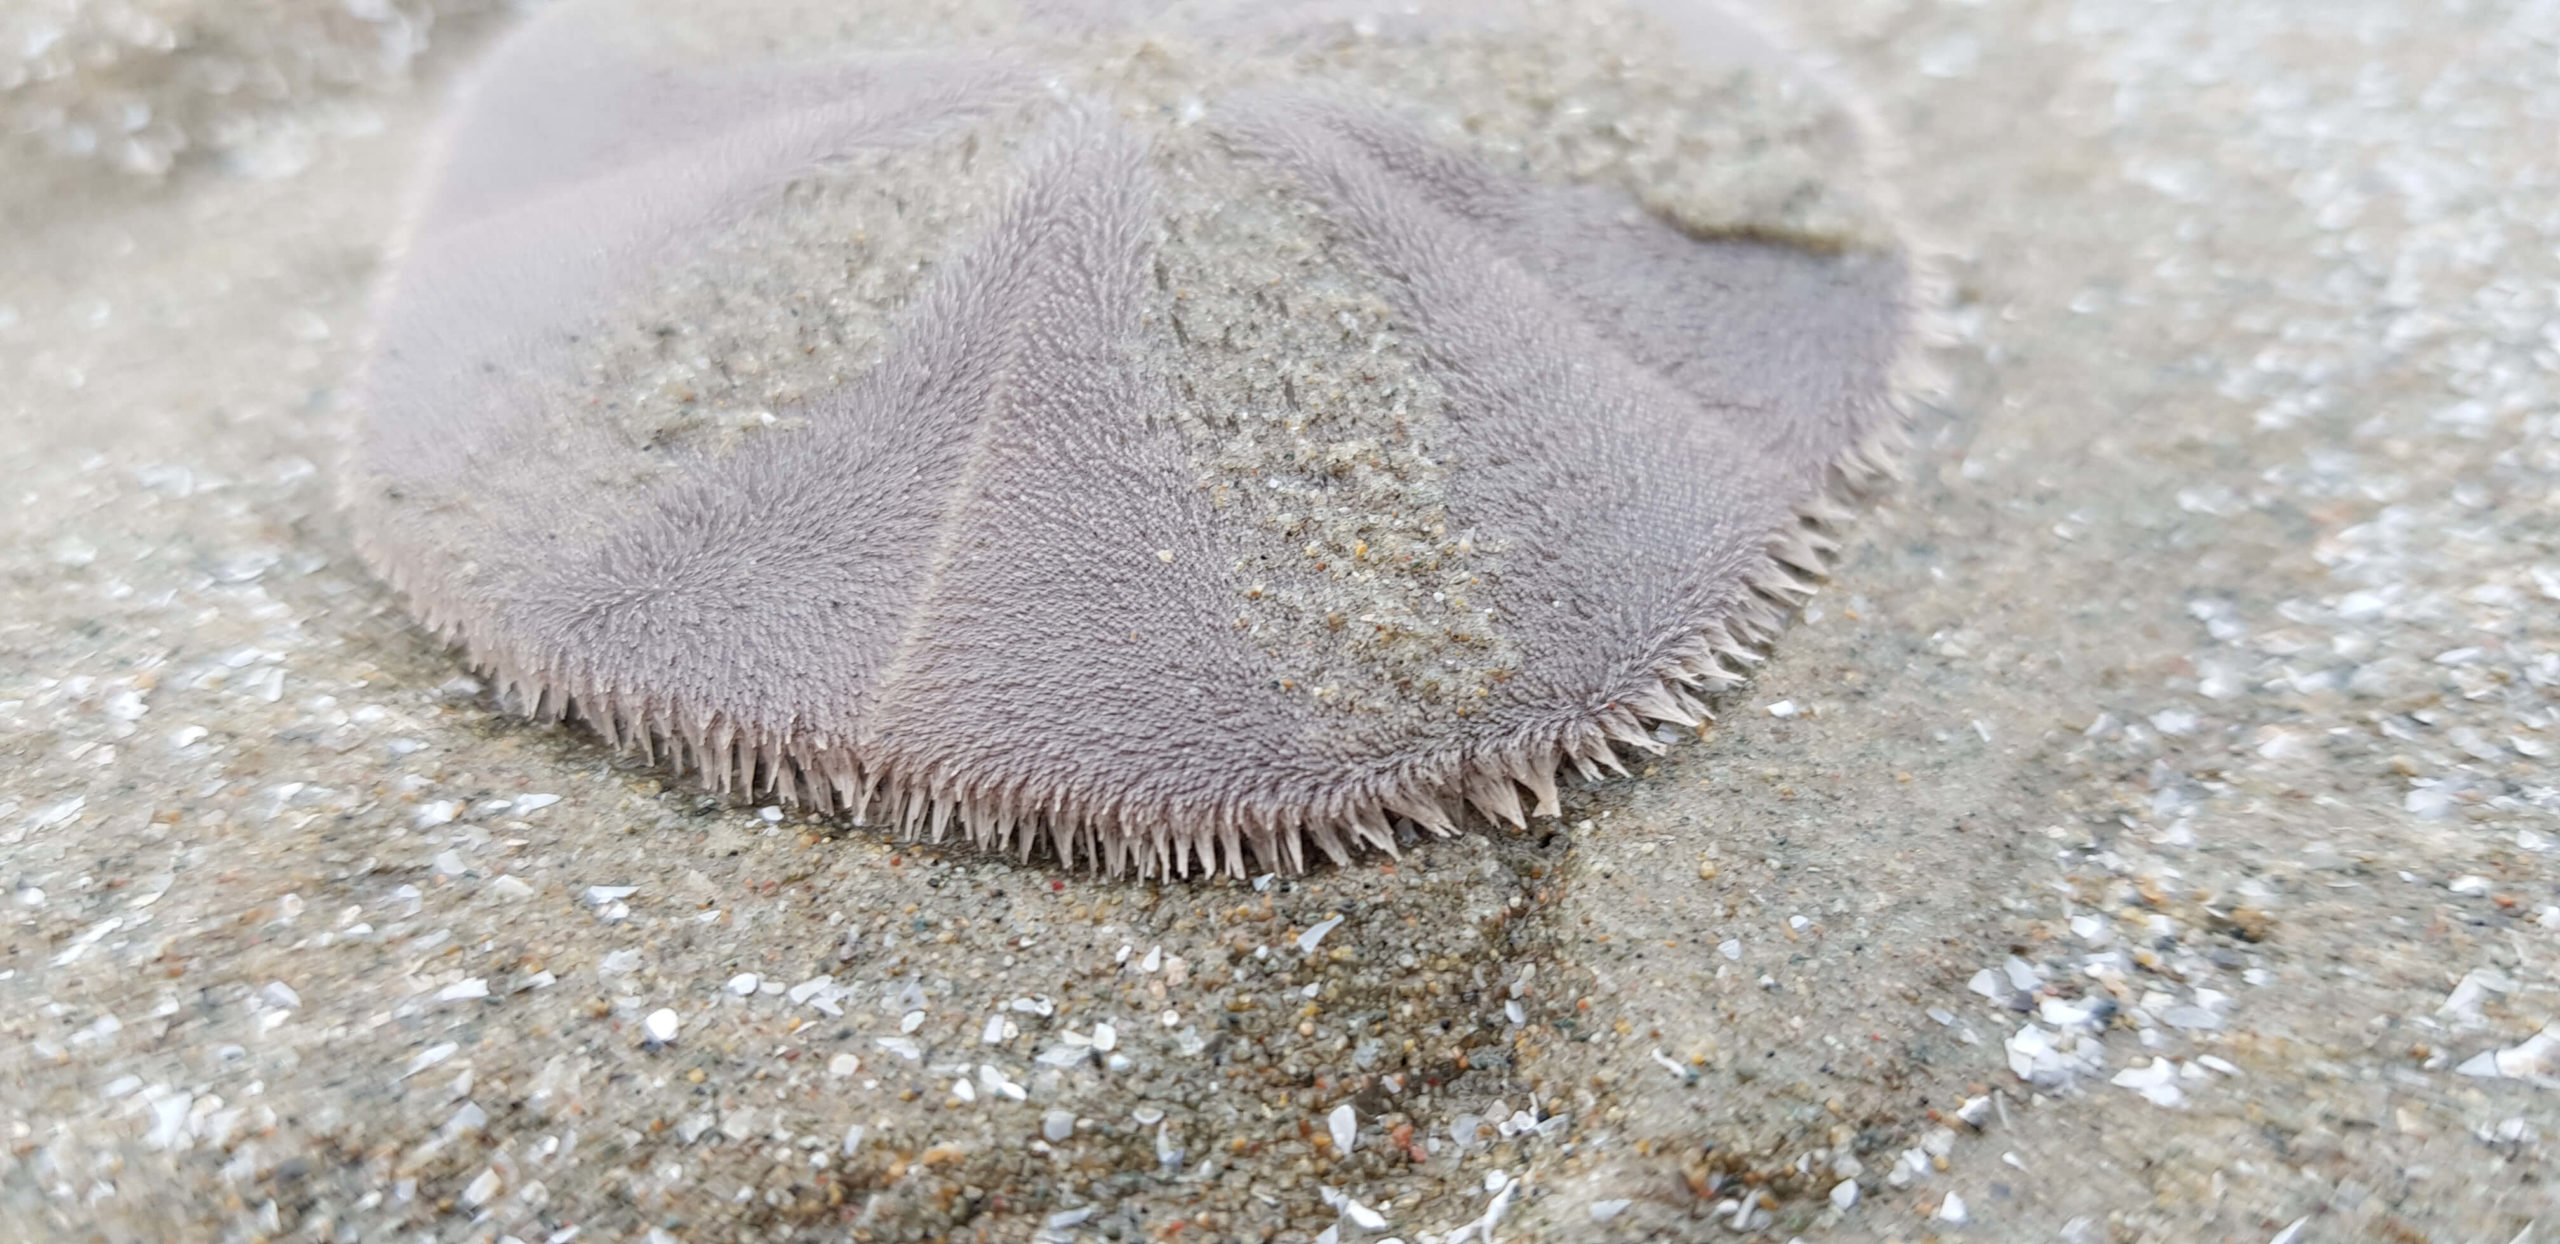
pixel 2151 833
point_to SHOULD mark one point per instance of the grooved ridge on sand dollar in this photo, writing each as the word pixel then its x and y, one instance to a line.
pixel 1179 435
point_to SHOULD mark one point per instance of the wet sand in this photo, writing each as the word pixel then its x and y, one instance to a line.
pixel 2148 834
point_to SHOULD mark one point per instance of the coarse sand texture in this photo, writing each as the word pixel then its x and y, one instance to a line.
pixel 1173 436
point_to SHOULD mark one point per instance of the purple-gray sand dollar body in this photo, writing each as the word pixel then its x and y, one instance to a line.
pixel 1180 439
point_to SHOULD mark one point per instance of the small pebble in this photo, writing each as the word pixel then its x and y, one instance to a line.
pixel 660 1026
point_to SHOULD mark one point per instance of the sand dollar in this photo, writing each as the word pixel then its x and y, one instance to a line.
pixel 1173 435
